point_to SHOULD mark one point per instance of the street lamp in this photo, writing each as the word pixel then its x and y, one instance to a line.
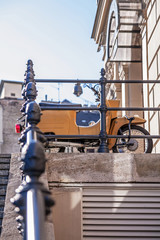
pixel 77 90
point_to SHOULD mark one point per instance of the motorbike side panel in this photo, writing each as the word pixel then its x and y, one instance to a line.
pixel 118 123
pixel 59 122
pixel 63 122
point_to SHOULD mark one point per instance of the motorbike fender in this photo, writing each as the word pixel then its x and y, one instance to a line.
pixel 118 123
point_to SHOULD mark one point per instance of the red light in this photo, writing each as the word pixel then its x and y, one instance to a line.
pixel 18 128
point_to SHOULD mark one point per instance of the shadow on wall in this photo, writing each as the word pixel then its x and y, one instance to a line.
pixel 67 213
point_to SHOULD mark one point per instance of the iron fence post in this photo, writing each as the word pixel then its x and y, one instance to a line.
pixel 32 199
pixel 103 148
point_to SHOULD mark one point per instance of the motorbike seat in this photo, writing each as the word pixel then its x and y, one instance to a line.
pixel 129 118
pixel 58 105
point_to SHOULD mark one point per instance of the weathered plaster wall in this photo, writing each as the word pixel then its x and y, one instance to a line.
pixel 10 110
pixel 95 167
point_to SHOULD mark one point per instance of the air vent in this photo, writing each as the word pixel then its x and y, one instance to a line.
pixel 121 212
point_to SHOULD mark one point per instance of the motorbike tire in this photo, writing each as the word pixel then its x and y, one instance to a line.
pixel 146 143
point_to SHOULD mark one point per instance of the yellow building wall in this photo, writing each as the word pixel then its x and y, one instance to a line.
pixel 151 67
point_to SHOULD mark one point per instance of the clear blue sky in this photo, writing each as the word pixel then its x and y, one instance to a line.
pixel 56 35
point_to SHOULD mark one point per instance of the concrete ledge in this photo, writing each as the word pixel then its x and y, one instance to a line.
pixel 103 167
pixel 9 224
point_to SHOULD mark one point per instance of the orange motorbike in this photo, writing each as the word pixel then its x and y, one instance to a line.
pixel 63 122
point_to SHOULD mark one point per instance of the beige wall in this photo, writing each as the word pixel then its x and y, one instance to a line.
pixel 11 90
pixel 130 95
pixel 151 67
pixel 67 213
pixel 135 98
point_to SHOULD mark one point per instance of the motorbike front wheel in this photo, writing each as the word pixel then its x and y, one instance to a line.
pixel 135 145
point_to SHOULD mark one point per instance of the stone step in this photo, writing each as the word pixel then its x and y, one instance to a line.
pixel 1 215
pixel 3 181
pixel 0 224
pixel 5 155
pixel 2 191
pixel 4 172
pixel 4 160
pixel 4 166
pixel 2 202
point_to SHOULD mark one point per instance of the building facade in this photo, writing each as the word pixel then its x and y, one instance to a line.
pixel 127 33
pixel 10 89
pixel 151 65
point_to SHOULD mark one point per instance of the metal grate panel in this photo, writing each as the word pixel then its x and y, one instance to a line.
pixel 124 212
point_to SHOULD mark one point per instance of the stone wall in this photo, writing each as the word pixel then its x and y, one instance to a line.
pixel 102 167
pixel 10 112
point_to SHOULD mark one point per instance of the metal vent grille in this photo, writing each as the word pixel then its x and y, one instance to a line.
pixel 121 212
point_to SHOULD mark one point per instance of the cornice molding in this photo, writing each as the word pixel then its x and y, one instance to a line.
pixel 100 19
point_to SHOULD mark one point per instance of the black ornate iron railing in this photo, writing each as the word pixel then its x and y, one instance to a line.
pixel 103 109
pixel 32 199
